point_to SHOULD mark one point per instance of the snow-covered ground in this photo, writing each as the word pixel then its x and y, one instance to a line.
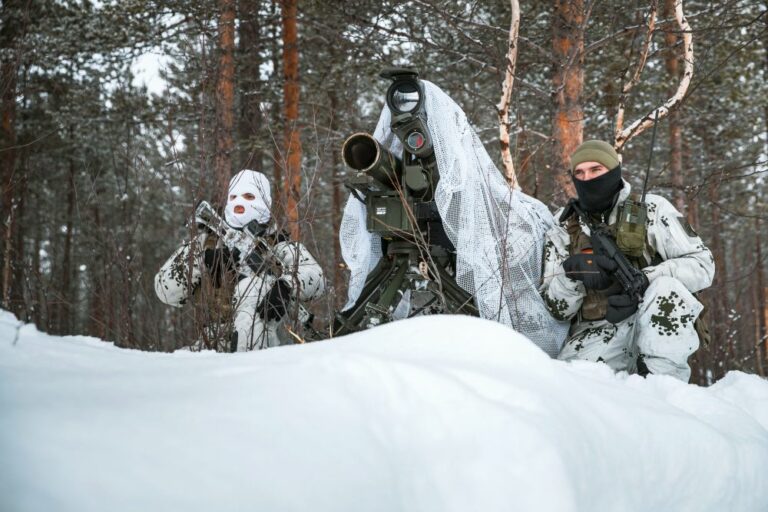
pixel 429 414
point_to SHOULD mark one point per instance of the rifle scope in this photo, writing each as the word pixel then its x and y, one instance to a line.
pixel 363 153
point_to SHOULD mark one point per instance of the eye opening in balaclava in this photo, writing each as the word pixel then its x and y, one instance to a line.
pixel 240 209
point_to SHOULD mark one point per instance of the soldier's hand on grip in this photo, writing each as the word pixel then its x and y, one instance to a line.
pixel 594 270
pixel 220 260
pixel 275 304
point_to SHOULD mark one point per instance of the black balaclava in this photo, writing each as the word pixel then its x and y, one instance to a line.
pixel 598 195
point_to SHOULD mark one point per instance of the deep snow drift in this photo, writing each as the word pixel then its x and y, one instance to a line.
pixel 434 413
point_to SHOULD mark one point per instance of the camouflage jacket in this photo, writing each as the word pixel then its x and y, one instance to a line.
pixel 681 252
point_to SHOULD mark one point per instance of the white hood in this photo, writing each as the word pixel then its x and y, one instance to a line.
pixel 258 209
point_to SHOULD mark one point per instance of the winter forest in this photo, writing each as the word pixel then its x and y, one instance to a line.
pixel 119 117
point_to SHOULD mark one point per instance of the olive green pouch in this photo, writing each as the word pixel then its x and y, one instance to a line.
pixel 631 229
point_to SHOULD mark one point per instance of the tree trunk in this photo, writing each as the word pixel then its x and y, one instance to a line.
pixel 277 123
pixel 675 126
pixel 9 65
pixel 693 201
pixel 338 278
pixel 292 136
pixel 568 84
pixel 721 348
pixel 761 343
pixel 249 78
pixel 506 96
pixel 36 289
pixel 66 309
pixel 225 98
pixel 97 300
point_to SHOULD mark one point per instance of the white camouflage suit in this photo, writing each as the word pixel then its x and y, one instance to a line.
pixel 662 330
pixel 297 267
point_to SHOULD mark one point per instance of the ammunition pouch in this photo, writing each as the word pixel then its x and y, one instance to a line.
pixel 594 306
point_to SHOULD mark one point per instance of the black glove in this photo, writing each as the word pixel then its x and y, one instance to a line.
pixel 621 307
pixel 219 261
pixel 275 304
pixel 594 270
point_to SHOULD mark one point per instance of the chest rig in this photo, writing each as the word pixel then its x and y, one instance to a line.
pixel 630 231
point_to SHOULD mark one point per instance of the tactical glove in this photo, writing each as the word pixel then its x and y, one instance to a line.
pixel 275 304
pixel 621 307
pixel 594 270
pixel 220 260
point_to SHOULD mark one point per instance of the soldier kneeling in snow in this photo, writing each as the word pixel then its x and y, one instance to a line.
pixel 244 296
pixel 653 330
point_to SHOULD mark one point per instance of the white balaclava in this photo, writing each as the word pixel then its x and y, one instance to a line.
pixel 241 209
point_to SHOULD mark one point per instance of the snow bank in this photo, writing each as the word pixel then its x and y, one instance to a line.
pixel 434 413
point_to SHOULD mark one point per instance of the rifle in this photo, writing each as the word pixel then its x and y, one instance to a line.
pixel 633 281
pixel 254 250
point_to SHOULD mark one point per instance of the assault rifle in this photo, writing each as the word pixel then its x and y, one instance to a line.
pixel 632 280
pixel 252 248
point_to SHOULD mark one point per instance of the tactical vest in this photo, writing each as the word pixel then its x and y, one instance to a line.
pixel 630 233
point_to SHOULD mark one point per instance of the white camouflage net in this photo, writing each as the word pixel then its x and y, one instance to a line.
pixel 498 232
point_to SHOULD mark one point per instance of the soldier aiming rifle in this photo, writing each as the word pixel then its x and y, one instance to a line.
pixel 247 278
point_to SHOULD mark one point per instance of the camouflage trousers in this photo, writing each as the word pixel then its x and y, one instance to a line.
pixel 661 334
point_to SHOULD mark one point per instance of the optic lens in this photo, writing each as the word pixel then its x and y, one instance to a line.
pixel 405 98
pixel 415 140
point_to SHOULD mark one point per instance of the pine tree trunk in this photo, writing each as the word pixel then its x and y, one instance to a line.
pixel 722 348
pixel 277 122
pixel 762 291
pixel 65 306
pixel 568 84
pixel 97 300
pixel 225 98
pixel 338 278
pixel 761 310
pixel 9 64
pixel 36 289
pixel 20 275
pixel 292 135
pixel 249 79
pixel 693 200
pixel 675 126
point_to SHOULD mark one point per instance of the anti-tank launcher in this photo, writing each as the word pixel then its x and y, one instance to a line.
pixel 416 273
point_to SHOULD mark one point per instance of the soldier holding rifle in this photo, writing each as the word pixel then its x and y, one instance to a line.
pixel 623 268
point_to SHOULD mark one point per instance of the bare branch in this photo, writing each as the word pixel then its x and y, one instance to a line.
pixel 506 95
pixel 647 120
pixel 635 77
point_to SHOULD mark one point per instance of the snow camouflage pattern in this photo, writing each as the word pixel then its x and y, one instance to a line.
pixel 299 270
pixel 662 332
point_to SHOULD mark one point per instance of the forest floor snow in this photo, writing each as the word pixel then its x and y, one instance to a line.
pixel 441 413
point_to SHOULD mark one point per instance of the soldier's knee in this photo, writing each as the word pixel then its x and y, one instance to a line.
pixel 667 296
pixel 664 285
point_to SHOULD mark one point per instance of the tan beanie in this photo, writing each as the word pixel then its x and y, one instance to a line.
pixel 595 151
